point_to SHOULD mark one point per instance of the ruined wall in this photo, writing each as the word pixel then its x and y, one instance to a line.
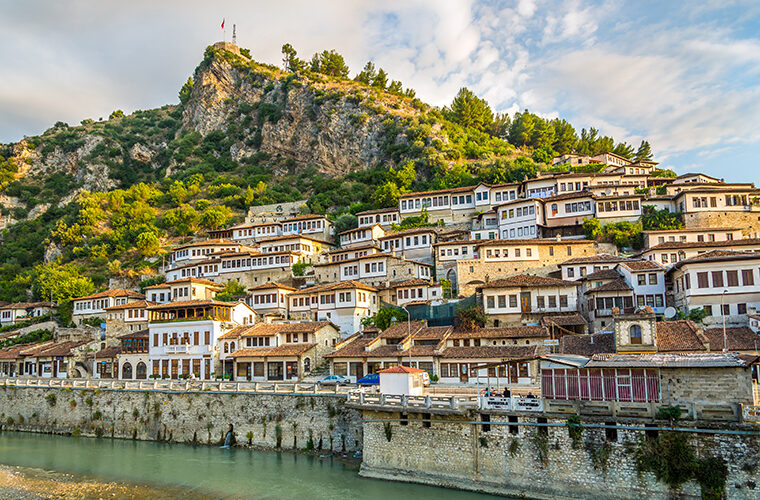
pixel 527 464
pixel 201 417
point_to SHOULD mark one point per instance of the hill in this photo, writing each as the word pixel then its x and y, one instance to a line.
pixel 107 198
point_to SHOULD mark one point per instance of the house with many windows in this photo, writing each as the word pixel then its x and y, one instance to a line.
pixel 344 303
pixel 523 298
pixel 94 305
pixel 671 252
pixel 10 314
pixel 414 244
pixel 413 291
pixel 521 218
pixel 269 299
pixel 372 269
pixel 314 226
pixel 725 284
pixel 386 217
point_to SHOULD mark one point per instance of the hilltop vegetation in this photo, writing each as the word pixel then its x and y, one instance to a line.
pixel 107 198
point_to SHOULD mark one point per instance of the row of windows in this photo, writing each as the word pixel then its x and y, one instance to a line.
pixel 612 206
pixel 571 208
pixel 569 186
pixel 520 232
pixel 256 262
pixel 409 241
pixel 700 237
pixel 268 230
pixel 718 281
pixel 518 212
pixel 267 298
pixel 581 269
pixel 295 247
pixel 642 279
pixel 726 310
pixel 186 338
pixel 500 301
pixel 413 293
pixel 453 251
pixel 356 235
pixel 386 218
pixel 504 252
pixel 295 227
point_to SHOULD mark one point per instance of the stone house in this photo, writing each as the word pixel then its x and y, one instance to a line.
pixel 386 217
pixel 10 314
pixel 414 244
pixel 702 234
pixel 269 299
pixel 94 306
pixel 344 303
pixel 372 269
pixel 399 293
pixel 126 318
pixel 133 359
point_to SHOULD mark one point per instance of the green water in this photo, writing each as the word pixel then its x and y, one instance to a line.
pixel 220 473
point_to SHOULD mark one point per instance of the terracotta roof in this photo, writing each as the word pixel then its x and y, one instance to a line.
pixel 355 349
pixel 692 230
pixel 526 280
pixel 281 350
pixel 362 228
pixel 271 329
pixel 381 255
pixel 739 338
pixel 28 305
pixel 401 369
pixel 292 237
pixel 602 274
pixel 13 352
pixel 340 285
pixel 678 336
pixel 616 285
pixel 568 196
pixel 62 349
pixel 504 352
pixel 718 256
pixel 601 257
pixel 189 279
pixel 108 352
pixel 535 241
pixel 587 345
pixel 192 303
pixel 407 232
pixel 572 319
pixel 116 292
pixel 206 243
pixel 131 305
pixel 501 333
pixel 409 282
pixel 461 189
pixel 304 217
pixel 642 265
pixel 378 211
pixel 271 285
pixel 140 334
pixel 673 245
pixel 433 332
pixel 402 328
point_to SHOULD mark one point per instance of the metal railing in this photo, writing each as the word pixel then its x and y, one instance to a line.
pixel 177 386
pixel 402 401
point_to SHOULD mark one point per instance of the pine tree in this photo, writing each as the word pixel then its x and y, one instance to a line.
pixel 367 75
pixel 381 79
pixel 644 153
pixel 469 110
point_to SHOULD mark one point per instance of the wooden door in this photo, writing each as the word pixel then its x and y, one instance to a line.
pixel 525 302
pixel 463 375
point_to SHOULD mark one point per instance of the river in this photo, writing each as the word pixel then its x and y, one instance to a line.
pixel 86 467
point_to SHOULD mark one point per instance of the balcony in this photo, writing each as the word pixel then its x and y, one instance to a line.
pixel 176 349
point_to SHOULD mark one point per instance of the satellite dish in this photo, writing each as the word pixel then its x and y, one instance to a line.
pixel 608 191
pixel 670 312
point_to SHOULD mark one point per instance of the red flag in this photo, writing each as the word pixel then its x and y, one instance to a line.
pixel 222 23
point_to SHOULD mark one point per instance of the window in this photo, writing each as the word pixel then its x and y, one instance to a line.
pixel 741 308
pixel 748 278
pixel 540 302
pixel 503 301
pixel 702 280
pixel 717 279
pixel 489 302
pixel 708 310
pixel 570 272
pixel 726 309
pixel 513 301
pixel 732 278
pixel 552 301
pixel 569 250
pixel 563 300
pixel 652 278
pixel 642 279
pixel 635 334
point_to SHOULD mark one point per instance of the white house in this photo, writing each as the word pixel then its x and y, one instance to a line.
pixel 520 218
pixel 344 303
pixel 91 306
pixel 402 380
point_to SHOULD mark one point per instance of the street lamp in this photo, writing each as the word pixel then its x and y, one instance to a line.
pixel 408 332
pixel 723 313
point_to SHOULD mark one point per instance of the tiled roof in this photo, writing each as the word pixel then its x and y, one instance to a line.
pixel 602 274
pixel 205 243
pixel 13 352
pixel 304 217
pixel 526 280
pixel 355 349
pixel 407 232
pixel 433 332
pixel 642 265
pixel 409 282
pixel 108 352
pixel 140 334
pixel 616 285
pixel 501 333
pixel 116 292
pixel 401 328
pixel 271 329
pixel 502 352
pixel 27 305
pixel 189 279
pixel 281 350
pixel 401 369
pixel 138 304
pixel 591 259
pixel 363 228
pixel 340 285
pixel 572 319
pixel 587 345
pixel 271 285
pixel 292 237
pixel 534 241
pixel 379 211
pixel 739 338
pixel 673 245
pixel 678 336
pixel 568 196
pixel 192 303
pixel 61 349
pixel 718 256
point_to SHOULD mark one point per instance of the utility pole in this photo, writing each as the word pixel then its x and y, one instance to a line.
pixel 234 34
pixel 723 313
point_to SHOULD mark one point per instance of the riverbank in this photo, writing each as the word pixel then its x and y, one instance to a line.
pixel 29 483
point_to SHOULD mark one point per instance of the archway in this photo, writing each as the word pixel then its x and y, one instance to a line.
pixel 126 371
pixel 306 365
pixel 142 370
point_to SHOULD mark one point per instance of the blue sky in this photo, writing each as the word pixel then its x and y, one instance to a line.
pixel 685 75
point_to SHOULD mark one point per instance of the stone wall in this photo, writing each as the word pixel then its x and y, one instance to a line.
pixel 748 221
pixel 521 462
pixel 732 386
pixel 201 417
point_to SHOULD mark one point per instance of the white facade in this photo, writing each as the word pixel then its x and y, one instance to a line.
pixel 343 305
pixel 520 219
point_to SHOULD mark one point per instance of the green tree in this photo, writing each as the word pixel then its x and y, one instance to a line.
pixel 381 79
pixel 367 75
pixel 148 243
pixel 385 317
pixel 345 222
pixel 470 318
pixel 215 217
pixel 116 114
pixel 60 283
pixel 644 153
pixel 290 60
pixel 186 90
pixel 521 131
pixel 565 137
pixel 468 110
pixel 386 195
pixel 233 291
pixel 395 87
pixel 653 219
pixel 329 63
pixel 624 149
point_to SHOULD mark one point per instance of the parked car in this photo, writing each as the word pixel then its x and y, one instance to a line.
pixel 333 380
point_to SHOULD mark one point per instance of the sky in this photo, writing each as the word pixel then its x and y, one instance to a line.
pixel 683 75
